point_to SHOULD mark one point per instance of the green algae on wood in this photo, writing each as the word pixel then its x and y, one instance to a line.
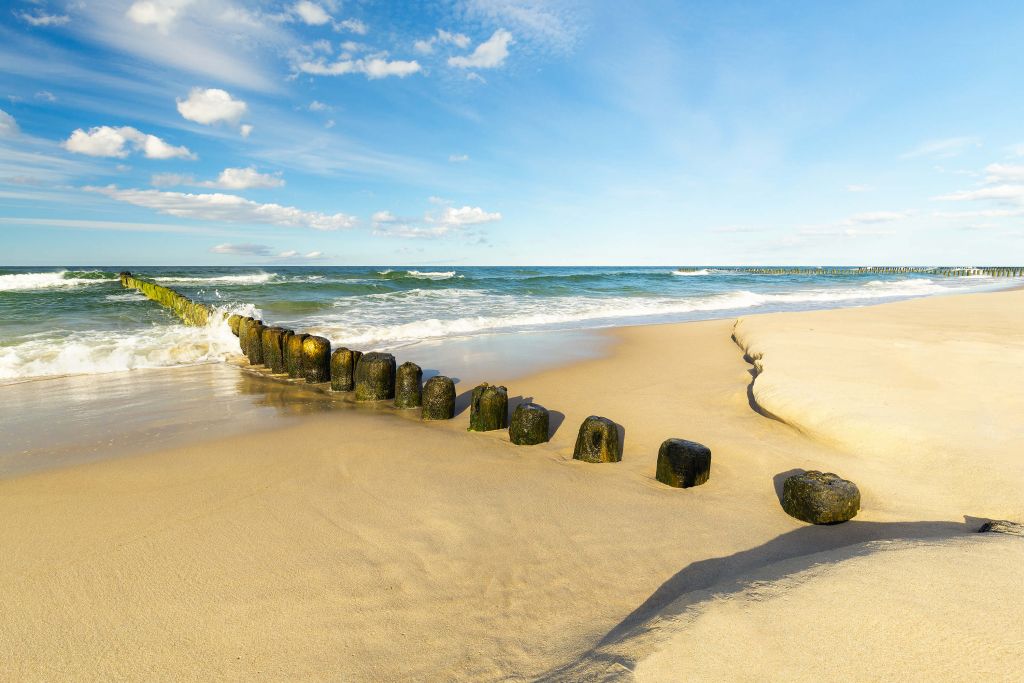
pixel 343 369
pixel 683 463
pixel 316 359
pixel 293 354
pixel 408 386
pixel 273 349
pixel 488 408
pixel 375 377
pixel 438 398
pixel 598 441
pixel 529 425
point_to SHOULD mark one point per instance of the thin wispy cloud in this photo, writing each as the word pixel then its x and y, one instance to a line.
pixel 942 149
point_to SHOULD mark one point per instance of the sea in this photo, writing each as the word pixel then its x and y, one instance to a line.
pixel 77 320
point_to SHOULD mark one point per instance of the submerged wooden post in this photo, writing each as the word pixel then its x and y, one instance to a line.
pixel 598 441
pixel 343 369
pixel 529 425
pixel 408 386
pixel 438 398
pixel 375 377
pixel 316 359
pixel 488 408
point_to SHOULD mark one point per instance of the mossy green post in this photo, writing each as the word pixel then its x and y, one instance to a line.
pixel 438 398
pixel 343 369
pixel 273 349
pixel 375 377
pixel 529 425
pixel 316 359
pixel 293 354
pixel 683 463
pixel 598 441
pixel 190 312
pixel 408 386
pixel 233 322
pixel 820 498
pixel 488 408
pixel 256 343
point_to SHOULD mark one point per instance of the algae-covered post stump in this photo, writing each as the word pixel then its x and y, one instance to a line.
pixel 438 398
pixel 343 369
pixel 820 498
pixel 598 441
pixel 273 348
pixel 408 386
pixel 683 463
pixel 375 377
pixel 293 354
pixel 529 425
pixel 233 321
pixel 488 408
pixel 252 338
pixel 316 359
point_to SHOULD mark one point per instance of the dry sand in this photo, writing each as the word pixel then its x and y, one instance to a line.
pixel 362 546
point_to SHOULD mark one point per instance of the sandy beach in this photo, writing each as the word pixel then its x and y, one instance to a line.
pixel 357 544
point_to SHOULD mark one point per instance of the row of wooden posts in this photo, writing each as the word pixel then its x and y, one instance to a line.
pixel 375 377
pixel 944 271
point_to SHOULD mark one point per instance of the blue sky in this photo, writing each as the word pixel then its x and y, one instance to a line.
pixel 141 132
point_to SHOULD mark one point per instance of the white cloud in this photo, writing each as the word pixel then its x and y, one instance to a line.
pixel 551 24
pixel 355 26
pixel 942 149
pixel 311 13
pixel 474 76
pixel 245 178
pixel 46 95
pixel 859 188
pixel 426 47
pixel 244 249
pixel 352 46
pixel 487 55
pixel 317 106
pixel 295 255
pixel 40 18
pixel 106 141
pixel 212 105
pixel 171 180
pixel 458 158
pixel 1017 150
pixel 371 68
pixel 1001 173
pixel 329 123
pixel 451 220
pixel 227 207
pixel 158 13
pixel 8 126
pixel 995 192
pixel 466 215
pixel 245 130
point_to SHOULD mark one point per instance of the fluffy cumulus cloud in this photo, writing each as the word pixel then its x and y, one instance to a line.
pixel 442 37
pixel 229 179
pixel 487 55
pixel 450 220
pixel 8 126
pixel 226 207
pixel 158 13
pixel 213 105
pixel 311 13
pixel 355 26
pixel 107 141
pixel 244 249
pixel 374 68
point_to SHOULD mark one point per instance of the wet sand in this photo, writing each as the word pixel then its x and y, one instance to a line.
pixel 359 545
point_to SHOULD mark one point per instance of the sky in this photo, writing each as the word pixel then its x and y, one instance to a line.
pixel 505 132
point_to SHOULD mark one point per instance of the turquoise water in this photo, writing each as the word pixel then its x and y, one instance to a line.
pixel 78 320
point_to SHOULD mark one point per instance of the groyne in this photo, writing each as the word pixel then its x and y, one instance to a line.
pixel 191 312
pixel 941 271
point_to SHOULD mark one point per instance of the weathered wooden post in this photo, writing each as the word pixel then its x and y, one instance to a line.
pixel 598 441
pixel 408 386
pixel 488 408
pixel 343 369
pixel 438 398
pixel 375 377
pixel 683 463
pixel 529 425
pixel 316 359
pixel 273 351
pixel 293 354
pixel 233 321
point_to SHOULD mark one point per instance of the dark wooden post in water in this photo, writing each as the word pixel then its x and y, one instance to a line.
pixel 438 398
pixel 316 359
pixel 343 369
pixel 273 349
pixel 529 425
pixel 683 463
pixel 293 354
pixel 598 441
pixel 408 386
pixel 488 408
pixel 375 377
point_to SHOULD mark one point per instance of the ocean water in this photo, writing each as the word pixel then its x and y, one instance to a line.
pixel 78 320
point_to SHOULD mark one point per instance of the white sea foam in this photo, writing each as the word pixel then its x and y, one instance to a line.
pixel 26 281
pixel 96 352
pixel 702 271
pixel 431 275
pixel 127 296
pixel 249 279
